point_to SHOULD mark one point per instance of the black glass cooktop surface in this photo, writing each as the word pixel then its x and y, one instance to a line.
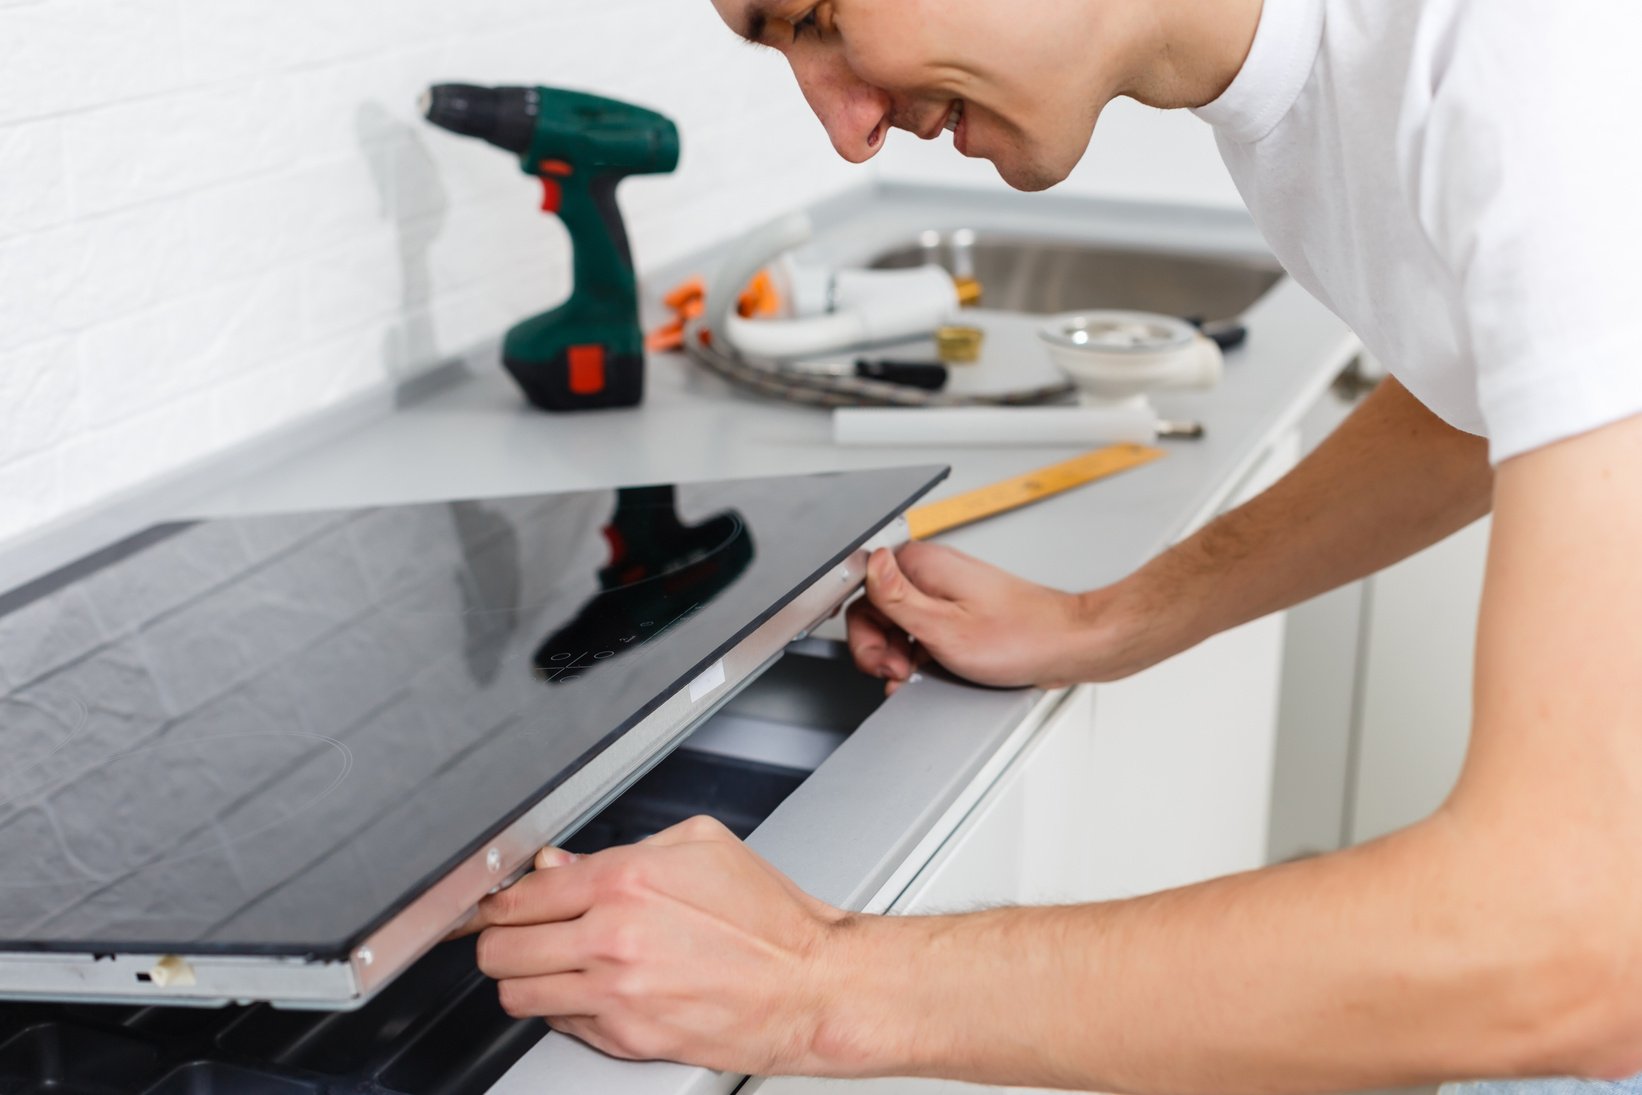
pixel 268 734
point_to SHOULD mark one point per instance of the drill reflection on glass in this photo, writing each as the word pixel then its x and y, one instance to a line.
pixel 661 571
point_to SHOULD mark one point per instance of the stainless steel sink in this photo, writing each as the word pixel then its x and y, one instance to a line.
pixel 1043 277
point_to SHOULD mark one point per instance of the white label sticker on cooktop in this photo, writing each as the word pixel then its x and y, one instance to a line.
pixel 709 680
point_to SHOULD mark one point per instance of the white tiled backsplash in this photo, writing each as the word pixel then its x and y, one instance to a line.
pixel 219 215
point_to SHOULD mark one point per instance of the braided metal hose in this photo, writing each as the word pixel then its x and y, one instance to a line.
pixel 845 391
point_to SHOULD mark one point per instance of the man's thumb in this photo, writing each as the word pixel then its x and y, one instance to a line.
pixel 893 593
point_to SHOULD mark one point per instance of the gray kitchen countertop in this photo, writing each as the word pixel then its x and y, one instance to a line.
pixel 463 430
pixel 475 437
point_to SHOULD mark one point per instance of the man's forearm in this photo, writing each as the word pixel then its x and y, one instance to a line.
pixel 1391 480
pixel 1497 938
pixel 1386 965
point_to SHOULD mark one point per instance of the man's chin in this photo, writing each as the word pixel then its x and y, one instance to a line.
pixel 1029 177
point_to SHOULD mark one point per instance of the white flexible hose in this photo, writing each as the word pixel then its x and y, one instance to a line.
pixel 787 338
pixel 751 254
pixel 868 306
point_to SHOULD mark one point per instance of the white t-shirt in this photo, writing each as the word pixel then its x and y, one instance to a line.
pixel 1461 182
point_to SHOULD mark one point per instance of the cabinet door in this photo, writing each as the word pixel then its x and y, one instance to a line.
pixel 1416 706
pixel 1182 765
pixel 1183 752
pixel 1317 711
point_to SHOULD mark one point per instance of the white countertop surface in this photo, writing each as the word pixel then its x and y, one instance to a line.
pixel 475 436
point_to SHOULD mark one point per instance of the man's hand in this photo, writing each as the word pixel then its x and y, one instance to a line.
pixel 988 626
pixel 1391 480
pixel 685 947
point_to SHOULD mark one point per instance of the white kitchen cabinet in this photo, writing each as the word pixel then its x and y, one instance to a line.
pixel 1415 718
pixel 1322 659
pixel 1376 706
pixel 1316 728
pixel 1180 786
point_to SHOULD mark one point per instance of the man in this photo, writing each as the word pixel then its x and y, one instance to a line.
pixel 1454 178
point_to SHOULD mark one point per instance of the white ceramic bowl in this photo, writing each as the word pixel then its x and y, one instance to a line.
pixel 1113 355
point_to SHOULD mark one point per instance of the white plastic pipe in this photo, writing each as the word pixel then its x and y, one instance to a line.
pixel 870 306
pixel 751 254
pixel 788 338
pixel 897 426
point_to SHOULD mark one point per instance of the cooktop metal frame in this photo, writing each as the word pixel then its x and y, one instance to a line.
pixel 208 980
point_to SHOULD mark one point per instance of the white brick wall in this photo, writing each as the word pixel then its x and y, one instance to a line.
pixel 219 215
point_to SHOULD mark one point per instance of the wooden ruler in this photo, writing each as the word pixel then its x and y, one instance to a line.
pixel 1001 497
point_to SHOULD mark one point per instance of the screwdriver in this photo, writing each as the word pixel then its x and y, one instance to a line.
pixel 931 376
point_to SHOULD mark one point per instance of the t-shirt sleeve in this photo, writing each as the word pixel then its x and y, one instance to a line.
pixel 1529 182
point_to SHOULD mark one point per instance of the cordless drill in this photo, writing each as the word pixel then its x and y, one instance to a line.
pixel 589 351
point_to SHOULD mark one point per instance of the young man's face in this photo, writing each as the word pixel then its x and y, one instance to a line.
pixel 1019 77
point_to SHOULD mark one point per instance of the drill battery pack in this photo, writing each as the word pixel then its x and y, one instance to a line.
pixel 579 378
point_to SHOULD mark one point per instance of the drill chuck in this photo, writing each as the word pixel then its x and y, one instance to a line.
pixel 504 116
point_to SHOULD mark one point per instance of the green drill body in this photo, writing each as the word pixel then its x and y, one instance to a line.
pixel 589 351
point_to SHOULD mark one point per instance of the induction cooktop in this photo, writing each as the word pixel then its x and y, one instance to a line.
pixel 277 757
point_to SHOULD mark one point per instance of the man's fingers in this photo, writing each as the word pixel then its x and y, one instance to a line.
pixel 563 995
pixel 695 830
pixel 479 920
pixel 894 594
pixel 543 896
pixel 880 648
pixel 465 928
pixel 938 570
pixel 867 635
pixel 534 950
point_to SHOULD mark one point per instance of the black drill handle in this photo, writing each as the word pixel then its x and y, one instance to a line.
pixel 604 200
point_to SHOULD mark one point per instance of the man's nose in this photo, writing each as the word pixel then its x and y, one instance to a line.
pixel 853 112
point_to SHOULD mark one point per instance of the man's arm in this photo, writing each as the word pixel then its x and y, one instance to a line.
pixel 1391 480
pixel 1394 478
pixel 1503 936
